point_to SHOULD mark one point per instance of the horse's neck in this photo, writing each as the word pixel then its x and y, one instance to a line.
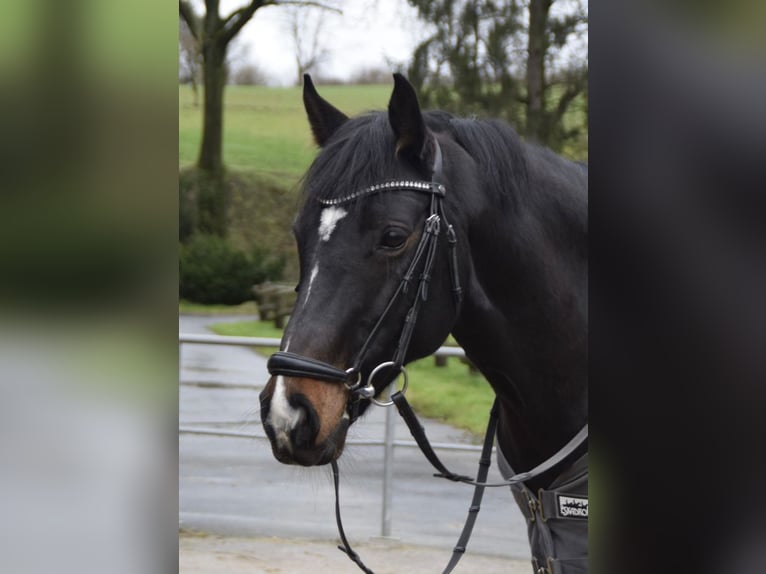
pixel 524 325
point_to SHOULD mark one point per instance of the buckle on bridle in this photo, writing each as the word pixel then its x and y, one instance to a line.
pixel 433 224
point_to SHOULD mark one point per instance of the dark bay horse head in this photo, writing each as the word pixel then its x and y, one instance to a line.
pixel 515 253
pixel 353 254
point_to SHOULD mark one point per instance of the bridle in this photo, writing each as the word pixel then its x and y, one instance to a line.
pixel 295 365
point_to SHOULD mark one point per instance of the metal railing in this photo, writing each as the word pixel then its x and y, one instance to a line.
pixel 388 442
pixel 444 351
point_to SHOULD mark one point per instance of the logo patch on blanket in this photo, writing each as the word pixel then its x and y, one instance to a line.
pixel 572 507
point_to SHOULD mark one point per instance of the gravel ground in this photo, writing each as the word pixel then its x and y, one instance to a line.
pixel 207 554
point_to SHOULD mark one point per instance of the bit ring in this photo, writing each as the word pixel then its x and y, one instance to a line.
pixel 402 371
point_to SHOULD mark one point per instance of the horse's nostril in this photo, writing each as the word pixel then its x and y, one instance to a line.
pixel 305 432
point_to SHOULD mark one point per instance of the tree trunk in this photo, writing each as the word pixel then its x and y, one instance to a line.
pixel 211 150
pixel 536 49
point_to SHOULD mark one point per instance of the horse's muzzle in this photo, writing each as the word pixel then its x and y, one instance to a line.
pixel 293 425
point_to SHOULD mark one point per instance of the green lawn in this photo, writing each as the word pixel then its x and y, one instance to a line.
pixel 450 394
pixel 265 129
pixel 191 308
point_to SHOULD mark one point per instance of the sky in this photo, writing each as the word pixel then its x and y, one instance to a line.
pixel 369 33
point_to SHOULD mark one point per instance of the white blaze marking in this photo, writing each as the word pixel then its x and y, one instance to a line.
pixel 282 416
pixel 313 276
pixel 328 220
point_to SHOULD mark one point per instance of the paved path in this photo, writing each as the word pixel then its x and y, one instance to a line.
pixel 234 487
pixel 205 554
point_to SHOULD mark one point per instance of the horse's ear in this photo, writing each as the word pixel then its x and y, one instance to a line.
pixel 406 120
pixel 324 118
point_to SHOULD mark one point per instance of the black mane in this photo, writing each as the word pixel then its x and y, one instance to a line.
pixel 360 154
pixel 495 147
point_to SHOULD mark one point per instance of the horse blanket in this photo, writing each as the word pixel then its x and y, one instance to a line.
pixel 557 519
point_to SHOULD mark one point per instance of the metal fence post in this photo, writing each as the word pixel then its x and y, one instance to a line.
pixel 388 469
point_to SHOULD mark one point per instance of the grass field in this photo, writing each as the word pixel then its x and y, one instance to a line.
pixel 265 129
pixel 450 394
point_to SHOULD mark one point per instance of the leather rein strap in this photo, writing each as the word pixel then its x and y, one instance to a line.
pixel 418 433
pixel 479 484
pixel 485 462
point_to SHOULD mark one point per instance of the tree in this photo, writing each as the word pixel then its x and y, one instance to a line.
pixel 189 60
pixel 214 34
pixel 306 30
pixel 545 32
pixel 510 59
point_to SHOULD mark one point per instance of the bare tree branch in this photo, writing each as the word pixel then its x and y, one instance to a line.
pixel 214 35
pixel 306 29
pixel 309 3
pixel 234 22
pixel 186 12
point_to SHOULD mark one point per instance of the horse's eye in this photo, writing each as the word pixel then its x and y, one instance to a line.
pixel 393 238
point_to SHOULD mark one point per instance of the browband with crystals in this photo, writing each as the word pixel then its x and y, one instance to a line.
pixel 395 185
pixel 434 187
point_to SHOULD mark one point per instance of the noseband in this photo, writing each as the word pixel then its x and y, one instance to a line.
pixel 294 365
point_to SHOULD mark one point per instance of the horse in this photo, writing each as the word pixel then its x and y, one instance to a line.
pixel 416 225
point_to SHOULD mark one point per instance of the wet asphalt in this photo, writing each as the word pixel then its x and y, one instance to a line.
pixel 234 487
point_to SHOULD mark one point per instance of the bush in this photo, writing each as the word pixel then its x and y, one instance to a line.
pixel 203 200
pixel 267 266
pixel 255 217
pixel 187 214
pixel 212 271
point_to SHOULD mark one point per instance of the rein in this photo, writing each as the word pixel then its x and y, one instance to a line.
pixel 479 484
pixel 294 365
